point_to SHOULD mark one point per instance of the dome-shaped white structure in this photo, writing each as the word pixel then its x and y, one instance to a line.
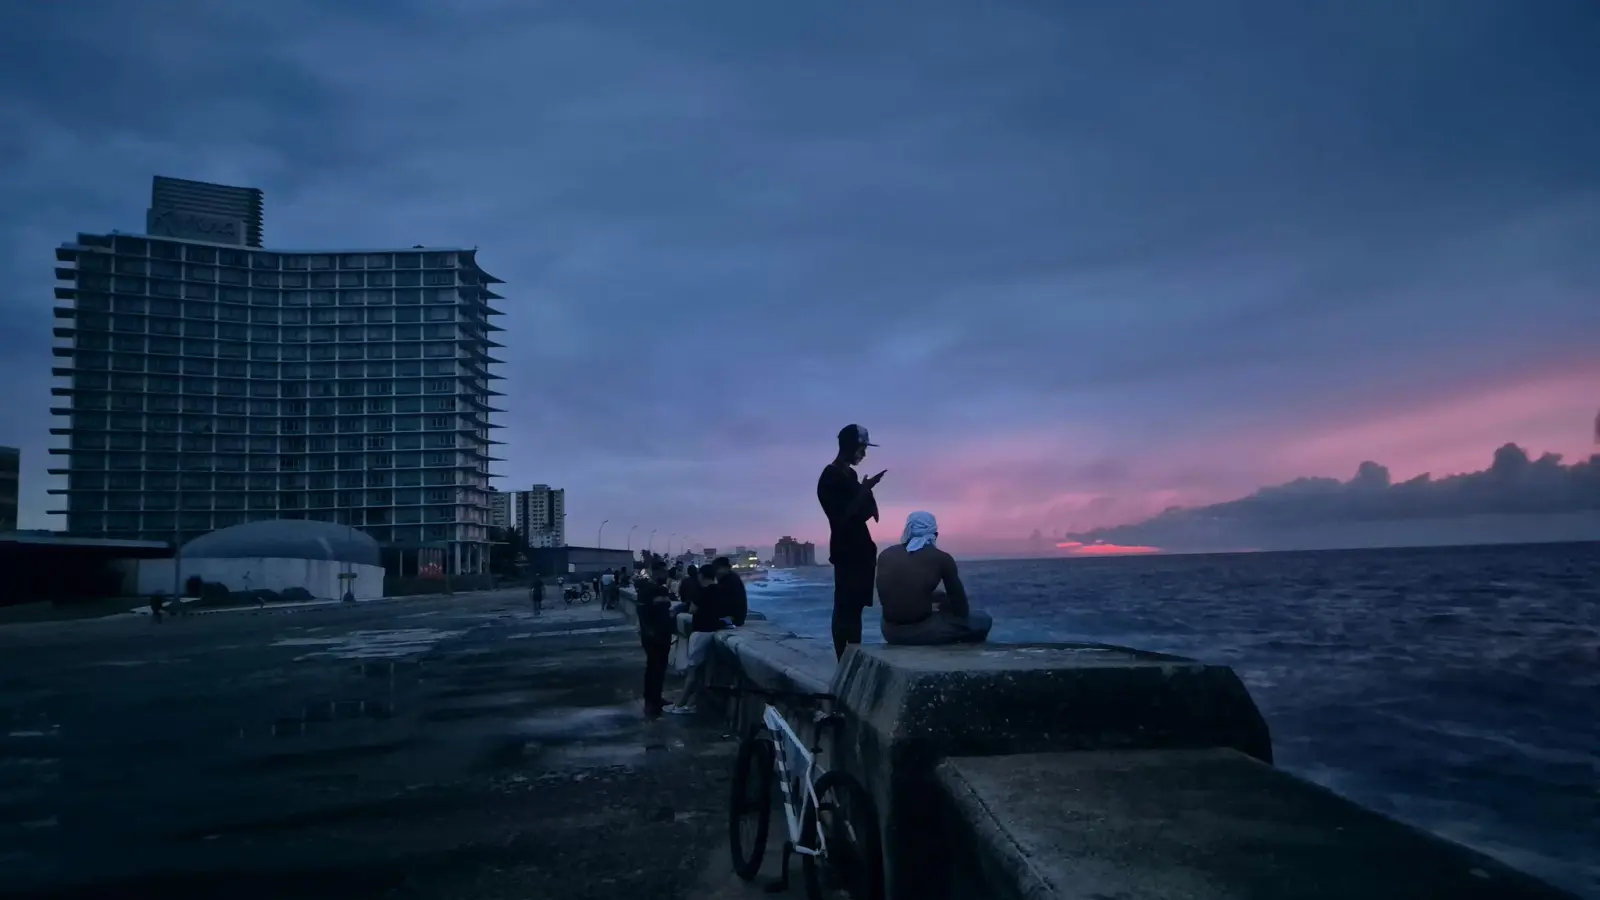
pixel 324 559
pixel 287 539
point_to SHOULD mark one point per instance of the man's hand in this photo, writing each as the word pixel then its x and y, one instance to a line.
pixel 872 482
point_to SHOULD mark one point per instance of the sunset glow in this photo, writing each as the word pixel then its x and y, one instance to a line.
pixel 1074 548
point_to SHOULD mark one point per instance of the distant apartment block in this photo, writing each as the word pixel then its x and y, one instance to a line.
pixel 789 553
pixel 10 473
pixel 206 382
pixel 538 512
pixel 542 513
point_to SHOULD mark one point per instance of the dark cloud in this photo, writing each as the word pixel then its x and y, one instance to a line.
pixel 954 220
pixel 1515 498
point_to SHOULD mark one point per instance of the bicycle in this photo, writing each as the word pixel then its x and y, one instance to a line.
pixel 830 818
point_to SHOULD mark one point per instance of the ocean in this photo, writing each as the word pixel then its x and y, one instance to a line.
pixel 1457 689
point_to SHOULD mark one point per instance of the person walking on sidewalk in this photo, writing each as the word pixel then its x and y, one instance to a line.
pixel 848 502
pixel 536 594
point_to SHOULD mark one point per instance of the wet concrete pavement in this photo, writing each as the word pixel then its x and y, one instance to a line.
pixel 451 747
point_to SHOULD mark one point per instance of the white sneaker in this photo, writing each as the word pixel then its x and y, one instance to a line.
pixel 677 710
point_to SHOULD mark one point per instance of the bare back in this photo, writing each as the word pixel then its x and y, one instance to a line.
pixel 908 582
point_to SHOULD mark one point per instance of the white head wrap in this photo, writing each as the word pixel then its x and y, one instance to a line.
pixel 922 529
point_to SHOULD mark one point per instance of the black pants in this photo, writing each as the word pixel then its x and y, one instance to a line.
pixel 656 653
pixel 852 593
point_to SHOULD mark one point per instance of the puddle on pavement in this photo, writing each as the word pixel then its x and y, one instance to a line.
pixel 576 738
pixel 321 712
pixel 576 723
pixel 585 755
pixel 371 644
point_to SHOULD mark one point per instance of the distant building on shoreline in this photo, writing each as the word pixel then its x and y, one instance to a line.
pixel 207 382
pixel 789 553
pixel 10 475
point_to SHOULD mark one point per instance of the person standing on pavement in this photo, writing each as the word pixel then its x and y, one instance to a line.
pixel 848 502
pixel 536 594
pixel 654 601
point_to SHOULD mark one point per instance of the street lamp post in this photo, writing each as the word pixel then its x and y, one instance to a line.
pixel 650 545
pixel 599 532
pixel 631 529
pixel 670 538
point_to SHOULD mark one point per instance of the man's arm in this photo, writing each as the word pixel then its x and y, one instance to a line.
pixel 953 589
pixel 843 498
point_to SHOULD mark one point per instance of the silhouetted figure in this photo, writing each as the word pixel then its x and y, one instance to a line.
pixel 655 635
pixel 848 503
pixel 732 603
pixel 915 611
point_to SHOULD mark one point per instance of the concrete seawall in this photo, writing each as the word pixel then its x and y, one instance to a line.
pixel 1091 771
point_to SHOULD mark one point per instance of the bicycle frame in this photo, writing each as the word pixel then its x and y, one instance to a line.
pixel 786 740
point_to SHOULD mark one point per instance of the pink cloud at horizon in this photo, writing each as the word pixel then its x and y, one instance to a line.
pixel 991 496
pixel 1543 414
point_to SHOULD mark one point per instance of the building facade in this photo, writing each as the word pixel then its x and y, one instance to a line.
pixel 541 514
pixel 500 510
pixel 207 384
pixel 10 476
pixel 538 513
pixel 578 562
pixel 196 210
pixel 789 553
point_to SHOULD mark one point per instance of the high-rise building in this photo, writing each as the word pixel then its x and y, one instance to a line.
pixel 539 513
pixel 789 553
pixel 542 514
pixel 207 384
pixel 10 473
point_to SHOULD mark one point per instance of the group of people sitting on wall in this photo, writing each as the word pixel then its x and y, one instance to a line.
pixel 924 602
pixel 693 605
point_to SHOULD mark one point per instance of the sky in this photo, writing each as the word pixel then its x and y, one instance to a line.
pixel 1071 264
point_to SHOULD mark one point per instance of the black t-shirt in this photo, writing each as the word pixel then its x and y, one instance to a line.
pixel 689 591
pixel 708 608
pixel 849 540
pixel 732 601
pixel 655 611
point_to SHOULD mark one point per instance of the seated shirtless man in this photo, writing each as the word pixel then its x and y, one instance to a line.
pixel 915 612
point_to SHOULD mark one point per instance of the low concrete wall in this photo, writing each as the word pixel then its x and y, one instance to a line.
pixel 1087 770
pixel 914 706
pixel 1158 824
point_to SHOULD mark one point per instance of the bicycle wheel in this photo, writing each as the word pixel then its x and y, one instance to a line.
pixel 852 861
pixel 750 807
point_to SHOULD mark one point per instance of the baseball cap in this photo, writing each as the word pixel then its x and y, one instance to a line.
pixel 855 435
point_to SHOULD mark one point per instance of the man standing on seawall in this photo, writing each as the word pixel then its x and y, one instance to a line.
pixel 849 503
